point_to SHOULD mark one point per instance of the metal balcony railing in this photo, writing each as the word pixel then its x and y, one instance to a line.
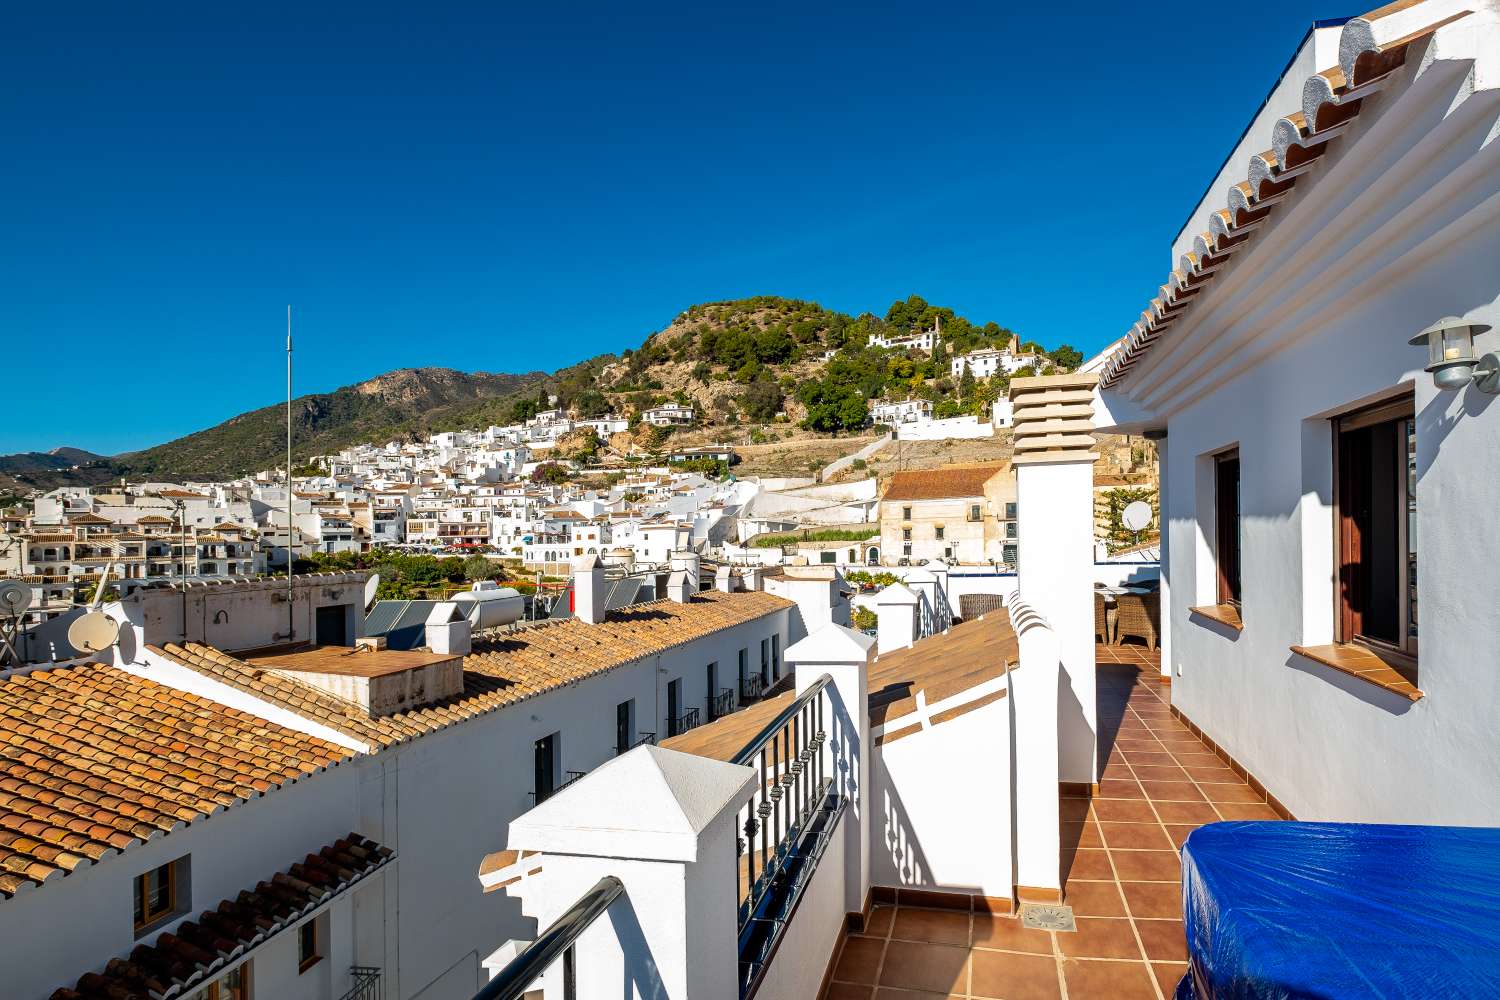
pixel 721 704
pixel 539 796
pixel 687 720
pixel 752 687
pixel 513 981
pixel 640 741
pixel 366 986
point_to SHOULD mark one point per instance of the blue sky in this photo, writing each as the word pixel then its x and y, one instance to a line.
pixel 507 189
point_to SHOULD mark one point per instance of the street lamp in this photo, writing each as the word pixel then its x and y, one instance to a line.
pixel 1450 356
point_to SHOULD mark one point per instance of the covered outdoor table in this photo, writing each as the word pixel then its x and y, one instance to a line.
pixel 1333 910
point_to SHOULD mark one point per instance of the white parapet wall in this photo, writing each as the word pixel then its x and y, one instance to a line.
pixel 948 429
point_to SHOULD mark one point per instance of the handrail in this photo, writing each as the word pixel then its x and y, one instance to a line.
pixel 516 978
pixel 773 727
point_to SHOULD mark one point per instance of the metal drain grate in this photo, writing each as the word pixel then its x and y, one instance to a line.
pixel 1047 917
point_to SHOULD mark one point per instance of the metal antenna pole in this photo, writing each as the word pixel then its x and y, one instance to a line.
pixel 291 614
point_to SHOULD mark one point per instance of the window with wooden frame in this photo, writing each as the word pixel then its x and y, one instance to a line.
pixel 155 895
pixel 975 512
pixel 308 953
pixel 1375 503
pixel 233 985
pixel 1227 532
pixel 938 532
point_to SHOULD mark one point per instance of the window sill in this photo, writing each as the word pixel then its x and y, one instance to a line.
pixel 304 966
pixel 1357 661
pixel 1225 614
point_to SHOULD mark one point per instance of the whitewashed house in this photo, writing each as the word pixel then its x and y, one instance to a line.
pixel 669 415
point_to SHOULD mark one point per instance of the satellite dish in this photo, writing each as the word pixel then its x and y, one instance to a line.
pixel 92 632
pixel 14 598
pixel 371 586
pixel 1137 515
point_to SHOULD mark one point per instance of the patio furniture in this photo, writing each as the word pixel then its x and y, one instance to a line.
pixel 971 606
pixel 1104 620
pixel 1138 615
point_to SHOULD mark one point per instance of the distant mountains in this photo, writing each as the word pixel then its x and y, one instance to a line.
pixel 402 404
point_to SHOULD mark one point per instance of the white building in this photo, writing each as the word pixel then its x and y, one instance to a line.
pixel 901 411
pixel 991 361
pixel 668 415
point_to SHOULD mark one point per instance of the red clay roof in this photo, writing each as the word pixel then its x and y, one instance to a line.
pixel 942 484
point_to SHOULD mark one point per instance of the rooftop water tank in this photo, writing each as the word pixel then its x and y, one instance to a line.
pixel 490 606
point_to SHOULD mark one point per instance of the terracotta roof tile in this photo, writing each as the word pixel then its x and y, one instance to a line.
pixel 196 950
pixel 504 667
pixel 941 484
pixel 94 760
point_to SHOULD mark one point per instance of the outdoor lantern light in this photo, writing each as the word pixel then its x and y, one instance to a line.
pixel 1450 356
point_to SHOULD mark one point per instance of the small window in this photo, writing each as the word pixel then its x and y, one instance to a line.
pixel 308 953
pixel 1227 526
pixel 155 895
pixel 938 532
pixel 906 513
pixel 974 512
pixel 906 534
pixel 624 725
pixel 1010 510
pixel 1010 529
pixel 233 985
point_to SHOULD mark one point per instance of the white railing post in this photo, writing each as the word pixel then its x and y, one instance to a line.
pixel 1033 692
pixel 842 654
pixel 663 823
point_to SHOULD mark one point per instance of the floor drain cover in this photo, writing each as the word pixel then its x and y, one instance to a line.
pixel 1047 917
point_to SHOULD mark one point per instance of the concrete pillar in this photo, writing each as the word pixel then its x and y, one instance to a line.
pixel 943 604
pixel 1033 688
pixel 923 583
pixel 663 823
pixel 1054 462
pixel 1165 562
pixel 896 613
pixel 724 580
pixel 589 589
pixel 843 655
pixel 686 561
pixel 680 587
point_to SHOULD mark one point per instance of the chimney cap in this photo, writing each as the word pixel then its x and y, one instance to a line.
pixel 590 561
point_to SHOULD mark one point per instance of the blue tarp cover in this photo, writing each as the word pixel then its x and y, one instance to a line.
pixel 1341 910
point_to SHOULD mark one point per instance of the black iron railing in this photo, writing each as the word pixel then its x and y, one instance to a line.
pixel 721 704
pixel 687 720
pixel 752 687
pixel 366 979
pixel 555 942
pixel 789 813
pixel 539 796
pixel 645 738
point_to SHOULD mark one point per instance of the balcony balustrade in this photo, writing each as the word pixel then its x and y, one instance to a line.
pixel 687 720
pixel 721 704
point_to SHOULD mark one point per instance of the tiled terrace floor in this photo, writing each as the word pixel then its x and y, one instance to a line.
pixel 1158 782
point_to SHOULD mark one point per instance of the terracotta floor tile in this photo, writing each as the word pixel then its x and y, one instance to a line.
pixel 1135 836
pixel 1160 772
pixel 1163 940
pixel 1108 980
pixel 885 993
pixel 878 924
pixel 1172 791
pixel 1099 937
pixel 848 991
pixel 1201 758
pixel 1186 812
pixel 1147 866
pixel 1224 792
pixel 1089 863
pixel 1213 772
pixel 935 926
pixel 933 967
pixel 1014 977
pixel 1154 899
pixel 1093 899
pixel 1073 810
pixel 860 960
pixel 1009 934
pixel 1168 975
pixel 1246 810
pixel 1124 811
pixel 1081 835
pixel 1152 744
pixel 1179 832
pixel 1120 788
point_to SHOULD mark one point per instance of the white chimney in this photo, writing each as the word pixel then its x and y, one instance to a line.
pixel 686 561
pixel 680 587
pixel 753 578
pixel 724 581
pixel 897 612
pixel 448 630
pixel 589 590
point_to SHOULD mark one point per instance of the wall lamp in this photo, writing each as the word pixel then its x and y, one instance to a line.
pixel 1450 356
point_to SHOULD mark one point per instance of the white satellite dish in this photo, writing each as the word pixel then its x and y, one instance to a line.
pixel 372 585
pixel 1137 516
pixel 14 598
pixel 92 632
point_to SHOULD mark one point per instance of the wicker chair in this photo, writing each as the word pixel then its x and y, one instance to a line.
pixel 1139 615
pixel 971 606
pixel 1104 620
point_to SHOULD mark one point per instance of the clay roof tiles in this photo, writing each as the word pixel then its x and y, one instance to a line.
pixel 94 760
pixel 950 482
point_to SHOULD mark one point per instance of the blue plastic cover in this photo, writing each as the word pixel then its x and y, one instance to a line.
pixel 1341 910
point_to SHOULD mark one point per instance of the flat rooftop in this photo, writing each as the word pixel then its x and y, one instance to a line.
pixel 350 662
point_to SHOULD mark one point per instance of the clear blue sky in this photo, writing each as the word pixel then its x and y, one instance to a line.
pixel 502 189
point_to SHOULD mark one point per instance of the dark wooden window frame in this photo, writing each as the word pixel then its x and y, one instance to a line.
pixel 308 952
pixel 144 915
pixel 1402 656
pixel 1228 551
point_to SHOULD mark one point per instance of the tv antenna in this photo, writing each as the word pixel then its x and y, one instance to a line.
pixel 15 598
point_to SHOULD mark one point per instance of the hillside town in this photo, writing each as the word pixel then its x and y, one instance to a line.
pixel 797 655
